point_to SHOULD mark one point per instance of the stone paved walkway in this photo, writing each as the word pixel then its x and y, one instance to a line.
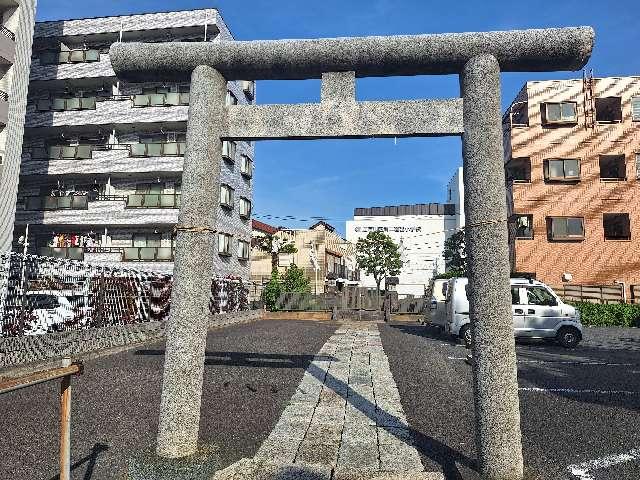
pixel 346 414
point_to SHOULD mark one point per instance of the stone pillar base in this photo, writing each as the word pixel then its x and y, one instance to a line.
pixel 147 465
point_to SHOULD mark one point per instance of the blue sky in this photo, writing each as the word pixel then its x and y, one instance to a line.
pixel 307 179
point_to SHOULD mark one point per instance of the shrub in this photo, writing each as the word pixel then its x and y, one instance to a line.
pixel 609 315
pixel 272 291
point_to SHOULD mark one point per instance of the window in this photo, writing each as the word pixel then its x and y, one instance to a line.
pixel 246 166
pixel 558 113
pixel 249 89
pixel 224 244
pixel 562 170
pixel 243 250
pixel 524 226
pixel 231 98
pixel 515 295
pixel 612 167
pixel 616 226
pixel 229 150
pixel 608 109
pixel 565 228
pixel 540 296
pixel 635 109
pixel 245 207
pixel 519 170
pixel 226 196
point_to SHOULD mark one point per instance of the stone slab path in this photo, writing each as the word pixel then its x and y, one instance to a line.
pixel 345 420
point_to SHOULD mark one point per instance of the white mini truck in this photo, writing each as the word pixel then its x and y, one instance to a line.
pixel 537 312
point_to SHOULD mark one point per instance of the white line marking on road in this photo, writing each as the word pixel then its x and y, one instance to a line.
pixel 583 470
pixel 577 391
pixel 565 362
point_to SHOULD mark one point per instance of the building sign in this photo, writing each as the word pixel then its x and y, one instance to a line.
pixel 389 229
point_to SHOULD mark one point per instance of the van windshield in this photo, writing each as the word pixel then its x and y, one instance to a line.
pixel 540 296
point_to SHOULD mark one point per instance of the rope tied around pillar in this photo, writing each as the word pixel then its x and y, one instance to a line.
pixel 193 229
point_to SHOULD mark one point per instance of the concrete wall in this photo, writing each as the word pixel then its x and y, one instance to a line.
pixel 593 260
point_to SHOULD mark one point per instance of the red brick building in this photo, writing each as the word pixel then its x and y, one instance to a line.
pixel 572 157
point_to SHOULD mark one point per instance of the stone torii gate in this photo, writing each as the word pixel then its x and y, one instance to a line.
pixel 478 59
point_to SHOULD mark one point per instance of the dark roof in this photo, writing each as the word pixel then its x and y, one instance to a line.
pixel 331 228
pixel 417 209
pixel 263 227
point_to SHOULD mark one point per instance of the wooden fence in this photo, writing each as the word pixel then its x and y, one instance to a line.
pixel 591 293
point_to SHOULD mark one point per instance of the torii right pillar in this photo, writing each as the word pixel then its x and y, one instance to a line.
pixel 495 384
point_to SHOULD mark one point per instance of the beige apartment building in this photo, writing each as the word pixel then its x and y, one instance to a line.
pixel 572 157
pixel 336 258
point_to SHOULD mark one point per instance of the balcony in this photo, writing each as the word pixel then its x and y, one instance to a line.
pixel 160 99
pixel 341 271
pixel 153 200
pixel 99 211
pixel 147 254
pixel 69 253
pixel 7 46
pixel 100 67
pixel 96 159
pixel 169 149
pixel 4 107
pixel 108 111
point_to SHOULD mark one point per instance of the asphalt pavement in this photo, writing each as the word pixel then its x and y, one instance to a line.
pixel 252 370
pixel 580 409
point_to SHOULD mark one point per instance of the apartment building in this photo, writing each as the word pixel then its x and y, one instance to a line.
pixel 322 254
pixel 102 159
pixel 419 231
pixel 16 35
pixel 572 157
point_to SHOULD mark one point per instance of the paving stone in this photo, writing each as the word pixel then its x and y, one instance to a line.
pixel 399 457
pixel 329 414
pixel 321 433
pixel 391 435
pixel 323 453
pixel 358 456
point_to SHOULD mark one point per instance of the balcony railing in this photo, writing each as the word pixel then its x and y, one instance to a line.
pixel 147 254
pixel 4 96
pixel 160 99
pixel 168 149
pixel 7 33
pixel 341 271
pixel 153 200
pixel 68 202
pixel 65 152
pixel 71 253
pixel 70 56
pixel 59 104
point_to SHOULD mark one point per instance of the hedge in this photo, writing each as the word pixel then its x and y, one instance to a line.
pixel 609 315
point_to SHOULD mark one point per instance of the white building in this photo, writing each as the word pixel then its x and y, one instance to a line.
pixel 420 231
pixel 455 195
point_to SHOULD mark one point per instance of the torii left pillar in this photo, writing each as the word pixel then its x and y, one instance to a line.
pixel 195 250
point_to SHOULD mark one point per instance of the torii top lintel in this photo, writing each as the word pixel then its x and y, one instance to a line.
pixel 550 49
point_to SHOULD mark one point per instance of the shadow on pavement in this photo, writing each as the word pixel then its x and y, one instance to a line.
pixel 90 460
pixel 252 359
pixel 425 331
pixel 431 448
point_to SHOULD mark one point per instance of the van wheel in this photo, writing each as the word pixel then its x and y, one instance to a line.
pixel 568 337
pixel 465 335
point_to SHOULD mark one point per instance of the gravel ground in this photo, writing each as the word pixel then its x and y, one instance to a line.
pixel 560 428
pixel 252 371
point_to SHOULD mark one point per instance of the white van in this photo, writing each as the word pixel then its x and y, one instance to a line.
pixel 438 311
pixel 537 312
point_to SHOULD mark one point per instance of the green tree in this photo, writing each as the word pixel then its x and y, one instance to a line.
pixel 294 280
pixel 455 255
pixel 377 255
pixel 275 246
pixel 272 291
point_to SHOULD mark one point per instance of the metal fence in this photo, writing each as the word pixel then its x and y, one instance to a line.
pixel 42 294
